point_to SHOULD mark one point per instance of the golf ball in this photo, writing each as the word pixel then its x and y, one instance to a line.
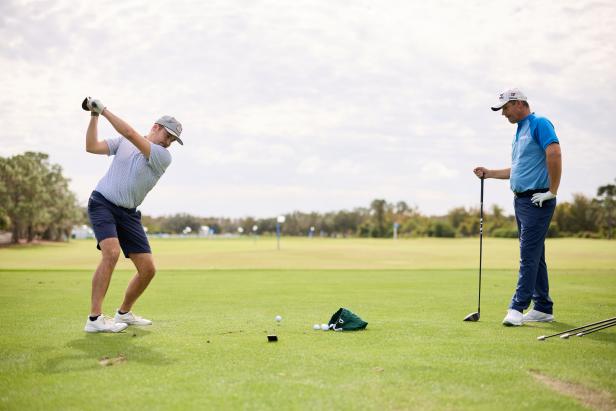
pixel 278 318
pixel 316 327
pixel 324 327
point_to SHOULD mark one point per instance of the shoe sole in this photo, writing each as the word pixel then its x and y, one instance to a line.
pixel 105 331
pixel 128 322
pixel 508 324
pixel 538 321
pixel 137 324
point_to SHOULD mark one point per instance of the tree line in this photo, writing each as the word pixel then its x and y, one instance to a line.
pixel 36 203
pixel 581 217
pixel 35 200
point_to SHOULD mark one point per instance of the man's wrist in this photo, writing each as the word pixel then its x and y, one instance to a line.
pixel 93 113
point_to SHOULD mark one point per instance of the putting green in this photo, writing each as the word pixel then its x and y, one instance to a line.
pixel 213 303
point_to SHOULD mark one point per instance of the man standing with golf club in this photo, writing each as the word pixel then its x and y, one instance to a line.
pixel 534 179
pixel 138 164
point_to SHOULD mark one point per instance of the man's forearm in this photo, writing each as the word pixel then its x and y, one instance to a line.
pixel 92 133
pixel 502 174
pixel 554 163
pixel 128 132
pixel 92 144
pixel 120 125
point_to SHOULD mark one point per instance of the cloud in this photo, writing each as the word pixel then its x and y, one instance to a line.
pixel 435 171
pixel 345 166
pixel 309 165
pixel 345 98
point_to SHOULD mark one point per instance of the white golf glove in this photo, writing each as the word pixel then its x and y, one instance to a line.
pixel 94 105
pixel 539 198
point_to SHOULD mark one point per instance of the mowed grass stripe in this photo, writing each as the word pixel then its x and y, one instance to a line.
pixel 302 253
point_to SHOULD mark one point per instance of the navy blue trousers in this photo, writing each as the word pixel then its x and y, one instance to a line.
pixel 533 223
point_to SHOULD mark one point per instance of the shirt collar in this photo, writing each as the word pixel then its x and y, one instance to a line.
pixel 528 117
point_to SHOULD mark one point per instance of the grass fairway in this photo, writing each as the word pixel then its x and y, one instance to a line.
pixel 214 301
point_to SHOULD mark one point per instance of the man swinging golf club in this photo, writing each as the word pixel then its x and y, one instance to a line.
pixel 138 164
pixel 534 179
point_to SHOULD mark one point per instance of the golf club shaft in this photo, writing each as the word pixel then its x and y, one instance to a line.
pixel 596 328
pixel 609 320
pixel 480 244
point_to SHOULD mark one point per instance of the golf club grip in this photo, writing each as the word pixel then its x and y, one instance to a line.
pixel 482 178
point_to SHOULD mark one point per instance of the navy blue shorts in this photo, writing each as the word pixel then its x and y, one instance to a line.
pixel 109 220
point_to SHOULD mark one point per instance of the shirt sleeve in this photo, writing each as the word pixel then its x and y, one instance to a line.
pixel 544 132
pixel 113 144
pixel 160 158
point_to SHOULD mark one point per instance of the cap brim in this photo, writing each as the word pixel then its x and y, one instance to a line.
pixel 498 106
pixel 174 135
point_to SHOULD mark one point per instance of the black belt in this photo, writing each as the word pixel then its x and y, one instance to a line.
pixel 529 193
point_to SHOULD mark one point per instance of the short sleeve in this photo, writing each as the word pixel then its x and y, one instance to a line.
pixel 160 158
pixel 544 132
pixel 113 144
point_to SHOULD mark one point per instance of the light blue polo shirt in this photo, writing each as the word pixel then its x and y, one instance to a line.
pixel 529 169
pixel 131 176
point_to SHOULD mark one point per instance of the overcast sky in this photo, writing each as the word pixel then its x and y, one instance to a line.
pixel 312 105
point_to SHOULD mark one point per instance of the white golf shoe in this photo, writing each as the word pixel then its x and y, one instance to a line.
pixel 513 318
pixel 131 319
pixel 537 316
pixel 104 325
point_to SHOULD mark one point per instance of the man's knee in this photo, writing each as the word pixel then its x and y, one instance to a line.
pixel 148 271
pixel 111 250
pixel 144 265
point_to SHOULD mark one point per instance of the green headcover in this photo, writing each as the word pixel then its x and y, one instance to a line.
pixel 345 320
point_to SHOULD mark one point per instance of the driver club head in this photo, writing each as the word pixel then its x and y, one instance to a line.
pixel 472 317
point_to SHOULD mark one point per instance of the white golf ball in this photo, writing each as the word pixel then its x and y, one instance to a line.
pixel 316 327
pixel 324 327
pixel 278 318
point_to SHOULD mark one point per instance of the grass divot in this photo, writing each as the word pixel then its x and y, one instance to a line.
pixel 107 362
pixel 589 397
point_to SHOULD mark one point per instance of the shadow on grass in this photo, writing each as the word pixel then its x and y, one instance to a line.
pixel 95 347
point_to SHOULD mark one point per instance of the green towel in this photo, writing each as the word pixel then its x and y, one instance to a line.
pixel 345 320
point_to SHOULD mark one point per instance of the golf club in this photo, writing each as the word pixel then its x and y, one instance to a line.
pixel 475 316
pixel 595 329
pixel 544 337
pixel 586 329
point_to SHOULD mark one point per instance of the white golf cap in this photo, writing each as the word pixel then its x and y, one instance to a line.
pixel 508 95
pixel 172 126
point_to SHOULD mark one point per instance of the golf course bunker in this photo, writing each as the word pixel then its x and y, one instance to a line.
pixel 589 397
